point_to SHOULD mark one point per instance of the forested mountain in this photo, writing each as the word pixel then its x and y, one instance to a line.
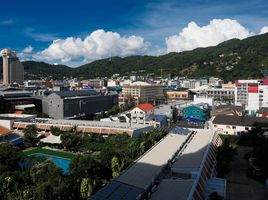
pixel 230 60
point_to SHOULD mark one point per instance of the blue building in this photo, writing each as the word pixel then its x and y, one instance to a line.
pixel 196 113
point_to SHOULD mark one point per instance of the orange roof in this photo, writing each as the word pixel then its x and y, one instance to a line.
pixel 4 130
pixel 145 106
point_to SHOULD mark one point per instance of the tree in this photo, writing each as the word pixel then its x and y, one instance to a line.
pixel 86 188
pixel 116 167
pixel 55 131
pixel 30 134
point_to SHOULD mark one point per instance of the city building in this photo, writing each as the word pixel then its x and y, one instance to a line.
pixel 15 100
pixel 193 83
pixel 215 81
pixel 13 70
pixel 196 113
pixel 141 113
pixel 262 112
pixel 237 125
pixel 218 94
pixel 66 104
pixel 180 166
pixel 145 114
pixel 83 126
pixel 253 94
pixel 177 94
pixel 143 91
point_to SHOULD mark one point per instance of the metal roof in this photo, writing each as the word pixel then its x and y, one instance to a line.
pixel 173 190
pixel 115 190
pixel 240 120
pixel 190 158
pixel 64 94
pixel 144 170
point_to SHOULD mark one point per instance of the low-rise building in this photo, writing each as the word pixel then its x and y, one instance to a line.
pixel 196 113
pixel 177 94
pixel 83 126
pixel 237 125
pixel 66 104
pixel 142 91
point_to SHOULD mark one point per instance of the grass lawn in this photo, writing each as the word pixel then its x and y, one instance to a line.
pixel 49 152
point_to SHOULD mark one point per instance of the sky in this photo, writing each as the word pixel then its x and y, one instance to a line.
pixel 81 31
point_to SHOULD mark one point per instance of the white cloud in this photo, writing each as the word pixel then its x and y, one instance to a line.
pixel 28 49
pixel 215 32
pixel 26 53
pixel 264 30
pixel 99 44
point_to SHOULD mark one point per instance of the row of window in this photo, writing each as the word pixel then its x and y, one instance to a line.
pixel 197 116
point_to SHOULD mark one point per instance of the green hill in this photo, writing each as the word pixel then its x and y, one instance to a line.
pixel 229 60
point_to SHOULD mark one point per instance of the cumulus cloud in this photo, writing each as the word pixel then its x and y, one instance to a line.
pixel 28 49
pixel 215 32
pixel 99 44
pixel 264 30
pixel 26 53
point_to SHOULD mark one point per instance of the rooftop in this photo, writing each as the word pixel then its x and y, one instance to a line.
pixel 240 120
pixel 144 170
pixel 192 155
pixel 173 190
pixel 145 106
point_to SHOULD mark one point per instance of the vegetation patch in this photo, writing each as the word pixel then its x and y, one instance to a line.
pixel 49 152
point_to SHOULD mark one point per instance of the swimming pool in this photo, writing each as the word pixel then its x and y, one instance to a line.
pixel 62 163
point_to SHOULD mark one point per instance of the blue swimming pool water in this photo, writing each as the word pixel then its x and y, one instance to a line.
pixel 59 162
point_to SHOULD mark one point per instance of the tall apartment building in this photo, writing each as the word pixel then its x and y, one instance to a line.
pixel 142 91
pixel 13 70
pixel 253 94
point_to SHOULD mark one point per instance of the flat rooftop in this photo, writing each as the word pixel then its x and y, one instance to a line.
pixel 144 170
pixel 98 124
pixel 9 116
pixel 191 157
pixel 173 190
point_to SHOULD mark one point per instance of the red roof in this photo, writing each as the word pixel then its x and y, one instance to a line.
pixel 4 130
pixel 145 106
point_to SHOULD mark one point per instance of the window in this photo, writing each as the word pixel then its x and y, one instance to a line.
pixel 197 111
pixel 247 128
pixel 185 116
pixel 234 127
pixel 193 111
pixel 197 116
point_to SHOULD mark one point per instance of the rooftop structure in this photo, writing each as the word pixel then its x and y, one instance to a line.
pixel 191 157
pixel 151 164
pixel 85 126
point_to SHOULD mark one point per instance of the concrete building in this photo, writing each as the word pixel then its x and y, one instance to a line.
pixel 236 125
pixel 177 94
pixel 145 114
pixel 83 126
pixel 66 104
pixel 196 113
pixel 253 94
pixel 215 81
pixel 142 91
pixel 178 167
pixel 218 94
pixel 13 70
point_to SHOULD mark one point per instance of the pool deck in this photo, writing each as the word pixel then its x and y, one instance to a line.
pixel 49 152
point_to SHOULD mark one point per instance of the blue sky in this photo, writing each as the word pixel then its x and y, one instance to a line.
pixel 36 24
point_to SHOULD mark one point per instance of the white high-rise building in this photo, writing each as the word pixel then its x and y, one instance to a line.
pixel 253 94
pixel 13 70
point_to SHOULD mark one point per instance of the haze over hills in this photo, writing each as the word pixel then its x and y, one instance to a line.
pixel 229 60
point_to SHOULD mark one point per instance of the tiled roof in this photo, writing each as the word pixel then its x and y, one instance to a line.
pixel 145 106
pixel 4 130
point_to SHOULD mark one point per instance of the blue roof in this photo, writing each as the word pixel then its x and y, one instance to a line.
pixel 115 190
